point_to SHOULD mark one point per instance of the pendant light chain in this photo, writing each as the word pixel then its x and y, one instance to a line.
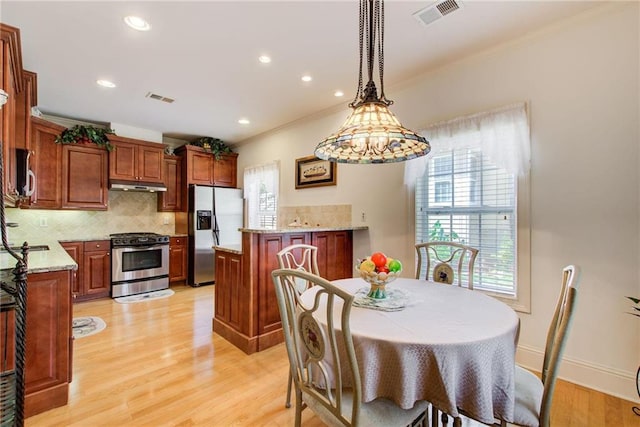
pixel 363 13
pixel 380 18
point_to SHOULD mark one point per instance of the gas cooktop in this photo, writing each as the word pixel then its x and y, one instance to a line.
pixel 137 239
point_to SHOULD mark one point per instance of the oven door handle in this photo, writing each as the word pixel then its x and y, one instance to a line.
pixel 141 247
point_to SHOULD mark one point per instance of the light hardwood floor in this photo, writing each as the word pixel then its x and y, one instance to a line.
pixel 158 364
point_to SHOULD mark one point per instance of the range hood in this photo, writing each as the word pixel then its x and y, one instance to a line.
pixel 148 188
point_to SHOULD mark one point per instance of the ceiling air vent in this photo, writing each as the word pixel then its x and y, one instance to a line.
pixel 159 97
pixel 437 10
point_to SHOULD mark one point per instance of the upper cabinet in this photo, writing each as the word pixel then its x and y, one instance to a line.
pixel 84 177
pixel 12 81
pixel 46 163
pixel 171 200
pixel 135 161
pixel 202 168
pixel 69 176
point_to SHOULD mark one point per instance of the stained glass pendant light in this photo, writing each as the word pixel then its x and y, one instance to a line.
pixel 372 134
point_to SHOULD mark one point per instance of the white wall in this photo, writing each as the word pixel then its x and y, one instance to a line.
pixel 581 79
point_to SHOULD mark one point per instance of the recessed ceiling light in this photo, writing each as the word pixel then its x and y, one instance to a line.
pixel 244 121
pixel 264 59
pixel 307 78
pixel 338 93
pixel 106 83
pixel 137 23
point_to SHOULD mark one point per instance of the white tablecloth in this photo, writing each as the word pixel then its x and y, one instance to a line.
pixel 452 347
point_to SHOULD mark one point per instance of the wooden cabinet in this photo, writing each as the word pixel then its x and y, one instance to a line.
pixel 84 177
pixel 178 259
pixel 201 167
pixel 246 309
pixel 225 171
pixel 24 101
pixel 46 163
pixel 93 277
pixel 171 200
pixel 231 300
pixel 137 161
pixel 12 82
pixel 335 249
pixel 49 341
pixel 75 251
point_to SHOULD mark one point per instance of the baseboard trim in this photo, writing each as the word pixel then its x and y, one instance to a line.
pixel 615 382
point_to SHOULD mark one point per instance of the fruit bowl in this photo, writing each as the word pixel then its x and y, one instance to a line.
pixel 378 270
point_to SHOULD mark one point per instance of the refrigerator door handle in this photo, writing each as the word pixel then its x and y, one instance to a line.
pixel 216 231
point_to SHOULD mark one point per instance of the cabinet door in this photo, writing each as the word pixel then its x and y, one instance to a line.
pixel 49 341
pixel 122 162
pixel 84 177
pixel 225 171
pixel 46 163
pixel 11 81
pixel 171 200
pixel 150 163
pixel 231 306
pixel 178 252
pixel 269 245
pixel 24 101
pixel 76 251
pixel 97 269
pixel 199 168
pixel 335 254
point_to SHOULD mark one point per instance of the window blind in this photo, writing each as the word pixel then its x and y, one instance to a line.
pixel 465 198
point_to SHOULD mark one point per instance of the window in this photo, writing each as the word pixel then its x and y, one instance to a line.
pixel 480 211
pixel 473 189
pixel 261 184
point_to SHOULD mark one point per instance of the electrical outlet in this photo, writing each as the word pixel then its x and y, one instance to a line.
pixel 165 220
pixel 363 217
pixel 44 222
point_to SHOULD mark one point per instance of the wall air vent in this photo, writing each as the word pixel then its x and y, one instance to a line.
pixel 437 10
pixel 159 97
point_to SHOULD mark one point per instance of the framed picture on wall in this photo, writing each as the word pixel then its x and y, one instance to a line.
pixel 314 172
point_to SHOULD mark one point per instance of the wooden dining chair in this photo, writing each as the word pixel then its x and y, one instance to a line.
pixel 304 258
pixel 446 262
pixel 322 357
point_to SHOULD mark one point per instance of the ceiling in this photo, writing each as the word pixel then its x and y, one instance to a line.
pixel 204 55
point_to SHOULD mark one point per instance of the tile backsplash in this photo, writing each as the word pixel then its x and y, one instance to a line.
pixel 322 215
pixel 128 212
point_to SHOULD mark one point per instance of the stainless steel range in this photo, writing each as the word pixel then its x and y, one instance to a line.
pixel 139 263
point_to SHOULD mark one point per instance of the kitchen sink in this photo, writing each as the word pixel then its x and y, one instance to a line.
pixel 34 248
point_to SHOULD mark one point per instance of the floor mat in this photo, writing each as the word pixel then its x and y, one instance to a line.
pixel 85 326
pixel 164 293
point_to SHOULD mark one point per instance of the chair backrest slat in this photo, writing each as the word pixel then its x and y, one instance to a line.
pixel 461 258
pixel 557 338
pixel 300 257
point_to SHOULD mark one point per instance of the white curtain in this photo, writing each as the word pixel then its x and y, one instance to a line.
pixel 266 176
pixel 502 134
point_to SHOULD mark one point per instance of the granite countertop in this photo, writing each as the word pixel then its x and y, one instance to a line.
pixel 234 249
pixel 85 239
pixel 303 229
pixel 54 259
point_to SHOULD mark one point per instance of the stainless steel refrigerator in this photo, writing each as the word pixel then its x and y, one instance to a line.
pixel 215 215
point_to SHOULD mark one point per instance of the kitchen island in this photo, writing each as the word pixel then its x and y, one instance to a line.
pixel 246 310
pixel 49 339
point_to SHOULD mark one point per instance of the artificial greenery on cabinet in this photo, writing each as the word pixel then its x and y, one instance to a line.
pixel 215 146
pixel 81 134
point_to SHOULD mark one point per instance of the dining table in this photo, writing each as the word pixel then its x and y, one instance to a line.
pixel 448 345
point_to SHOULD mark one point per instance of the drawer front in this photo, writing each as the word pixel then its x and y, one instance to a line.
pixel 97 245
